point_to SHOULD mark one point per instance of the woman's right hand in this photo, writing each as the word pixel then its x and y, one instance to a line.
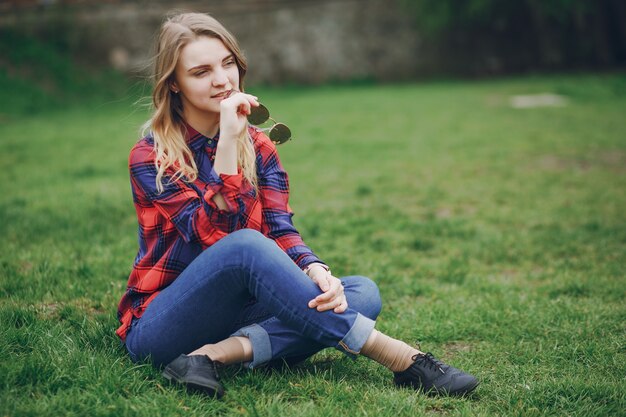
pixel 332 297
pixel 234 111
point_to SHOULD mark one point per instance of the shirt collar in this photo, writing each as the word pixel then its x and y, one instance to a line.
pixel 195 139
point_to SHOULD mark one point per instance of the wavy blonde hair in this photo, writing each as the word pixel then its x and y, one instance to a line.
pixel 167 123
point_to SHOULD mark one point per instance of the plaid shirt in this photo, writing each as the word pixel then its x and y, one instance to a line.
pixel 176 225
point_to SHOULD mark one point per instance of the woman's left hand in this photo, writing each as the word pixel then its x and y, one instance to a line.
pixel 333 297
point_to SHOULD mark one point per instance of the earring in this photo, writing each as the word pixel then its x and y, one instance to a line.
pixel 174 91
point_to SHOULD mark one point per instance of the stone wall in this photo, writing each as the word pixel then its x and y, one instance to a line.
pixel 296 41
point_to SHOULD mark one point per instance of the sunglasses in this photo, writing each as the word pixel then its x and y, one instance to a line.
pixel 279 133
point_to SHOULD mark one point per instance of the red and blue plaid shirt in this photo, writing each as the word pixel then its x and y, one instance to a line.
pixel 176 225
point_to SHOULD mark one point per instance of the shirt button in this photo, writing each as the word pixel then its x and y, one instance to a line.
pixel 212 157
pixel 210 141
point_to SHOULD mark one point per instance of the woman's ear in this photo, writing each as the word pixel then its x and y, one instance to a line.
pixel 174 88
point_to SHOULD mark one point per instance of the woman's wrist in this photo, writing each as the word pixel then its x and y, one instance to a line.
pixel 225 158
pixel 227 142
pixel 310 266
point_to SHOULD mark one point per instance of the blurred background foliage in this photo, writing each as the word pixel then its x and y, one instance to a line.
pixel 522 35
pixel 37 75
pixel 53 50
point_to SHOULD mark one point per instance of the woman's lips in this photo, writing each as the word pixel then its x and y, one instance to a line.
pixel 223 94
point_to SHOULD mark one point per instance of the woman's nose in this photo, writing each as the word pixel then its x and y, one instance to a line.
pixel 220 77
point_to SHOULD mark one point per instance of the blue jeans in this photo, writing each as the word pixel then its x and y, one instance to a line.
pixel 245 285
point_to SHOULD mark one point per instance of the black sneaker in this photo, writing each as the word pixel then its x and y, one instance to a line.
pixel 196 372
pixel 435 377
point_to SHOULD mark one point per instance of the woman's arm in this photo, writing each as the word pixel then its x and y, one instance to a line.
pixel 225 154
pixel 233 123
pixel 274 195
pixel 277 224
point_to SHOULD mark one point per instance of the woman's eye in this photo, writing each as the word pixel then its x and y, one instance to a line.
pixel 229 62
pixel 199 73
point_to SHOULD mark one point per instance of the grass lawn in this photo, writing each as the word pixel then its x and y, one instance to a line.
pixel 497 237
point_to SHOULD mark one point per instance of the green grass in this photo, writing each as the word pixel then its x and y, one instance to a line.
pixel 497 237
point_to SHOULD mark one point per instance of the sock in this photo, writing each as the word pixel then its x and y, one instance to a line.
pixel 389 352
pixel 232 350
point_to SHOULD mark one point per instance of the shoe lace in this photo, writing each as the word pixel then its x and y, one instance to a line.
pixel 429 361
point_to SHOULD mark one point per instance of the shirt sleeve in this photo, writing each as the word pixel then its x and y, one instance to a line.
pixel 189 208
pixel 274 192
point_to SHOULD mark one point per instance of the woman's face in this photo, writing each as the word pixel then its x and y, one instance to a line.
pixel 205 74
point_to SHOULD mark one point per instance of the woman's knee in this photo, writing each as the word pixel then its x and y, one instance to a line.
pixel 243 242
pixel 363 295
pixel 246 239
pixel 246 236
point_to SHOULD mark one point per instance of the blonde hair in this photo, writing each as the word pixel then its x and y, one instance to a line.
pixel 166 123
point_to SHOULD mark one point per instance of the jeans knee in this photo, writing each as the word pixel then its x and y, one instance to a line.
pixel 246 239
pixel 364 296
pixel 247 235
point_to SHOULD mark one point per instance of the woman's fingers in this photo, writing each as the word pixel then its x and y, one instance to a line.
pixel 335 289
pixel 240 101
pixel 321 282
pixel 342 307
pixel 338 305
pixel 332 298
pixel 331 305
pixel 233 114
pixel 320 278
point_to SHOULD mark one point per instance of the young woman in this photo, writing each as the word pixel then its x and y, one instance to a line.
pixel 222 276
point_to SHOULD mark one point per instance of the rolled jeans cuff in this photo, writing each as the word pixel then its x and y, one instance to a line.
pixel 353 341
pixel 261 345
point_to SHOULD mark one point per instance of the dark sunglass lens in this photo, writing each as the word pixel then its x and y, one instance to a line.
pixel 280 133
pixel 258 115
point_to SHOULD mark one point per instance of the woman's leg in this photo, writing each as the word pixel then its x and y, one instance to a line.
pixel 200 306
pixel 288 344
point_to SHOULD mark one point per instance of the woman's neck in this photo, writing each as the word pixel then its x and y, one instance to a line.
pixel 207 124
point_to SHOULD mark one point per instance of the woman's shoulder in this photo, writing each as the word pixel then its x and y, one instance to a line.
pixel 143 150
